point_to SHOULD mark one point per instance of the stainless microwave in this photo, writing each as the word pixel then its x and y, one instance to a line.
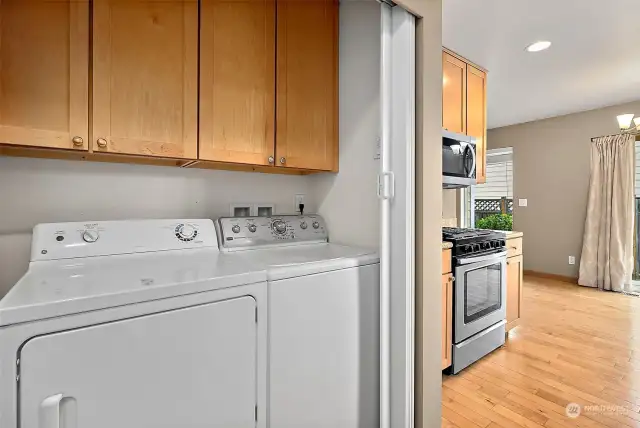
pixel 458 160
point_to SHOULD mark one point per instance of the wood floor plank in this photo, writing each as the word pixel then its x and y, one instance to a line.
pixel 573 345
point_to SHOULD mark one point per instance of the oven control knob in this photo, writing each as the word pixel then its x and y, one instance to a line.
pixel 476 247
pixel 467 249
pixel 279 227
pixel 252 228
pixel 90 236
pixel 503 243
pixel 303 225
pixel 315 225
pixel 235 228
pixel 486 245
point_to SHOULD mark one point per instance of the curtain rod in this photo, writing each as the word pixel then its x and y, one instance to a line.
pixel 613 135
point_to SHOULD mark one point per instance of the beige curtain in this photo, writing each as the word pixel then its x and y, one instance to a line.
pixel 607 247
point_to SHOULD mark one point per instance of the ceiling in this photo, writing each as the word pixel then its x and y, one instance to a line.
pixel 593 61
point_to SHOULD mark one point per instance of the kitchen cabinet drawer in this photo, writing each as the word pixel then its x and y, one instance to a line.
pixel 514 247
pixel 446 261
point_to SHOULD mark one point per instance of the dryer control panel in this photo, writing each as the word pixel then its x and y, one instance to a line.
pixel 55 241
pixel 250 232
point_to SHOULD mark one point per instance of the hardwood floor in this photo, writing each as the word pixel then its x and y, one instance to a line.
pixel 573 345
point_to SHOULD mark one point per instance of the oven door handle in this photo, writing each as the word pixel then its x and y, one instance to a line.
pixel 469 260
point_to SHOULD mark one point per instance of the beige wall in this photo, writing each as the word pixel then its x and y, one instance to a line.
pixel 450 203
pixel 551 169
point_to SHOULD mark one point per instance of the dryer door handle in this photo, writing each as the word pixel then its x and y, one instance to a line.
pixel 51 412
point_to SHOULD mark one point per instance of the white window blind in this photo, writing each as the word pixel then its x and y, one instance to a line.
pixel 500 181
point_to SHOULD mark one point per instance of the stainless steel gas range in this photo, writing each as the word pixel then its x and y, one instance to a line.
pixel 479 296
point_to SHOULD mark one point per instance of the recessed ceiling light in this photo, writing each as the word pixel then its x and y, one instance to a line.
pixel 538 46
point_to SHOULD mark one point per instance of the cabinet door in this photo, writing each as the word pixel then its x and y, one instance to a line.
pixel 477 117
pixel 514 291
pixel 447 319
pixel 44 71
pixel 237 81
pixel 307 84
pixel 454 94
pixel 145 77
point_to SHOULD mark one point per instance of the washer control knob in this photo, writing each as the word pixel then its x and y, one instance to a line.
pixel 279 226
pixel 315 225
pixel 303 225
pixel 252 228
pixel 90 235
pixel 235 228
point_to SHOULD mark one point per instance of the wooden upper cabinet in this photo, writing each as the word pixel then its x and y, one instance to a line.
pixel 237 81
pixel 44 71
pixel 145 77
pixel 307 84
pixel 477 117
pixel 454 94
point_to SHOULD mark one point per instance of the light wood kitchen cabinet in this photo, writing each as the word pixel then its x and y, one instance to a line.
pixel 190 83
pixel 307 84
pixel 454 94
pixel 514 291
pixel 447 319
pixel 145 77
pixel 237 81
pixel 464 104
pixel 477 117
pixel 44 72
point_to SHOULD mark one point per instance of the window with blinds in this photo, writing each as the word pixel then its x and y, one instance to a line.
pixel 500 181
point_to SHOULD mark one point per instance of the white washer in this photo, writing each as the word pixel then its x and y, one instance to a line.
pixel 133 324
pixel 323 320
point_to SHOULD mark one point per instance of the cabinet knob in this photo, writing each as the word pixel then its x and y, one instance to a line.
pixel 282 160
pixel 271 160
pixel 77 141
pixel 102 143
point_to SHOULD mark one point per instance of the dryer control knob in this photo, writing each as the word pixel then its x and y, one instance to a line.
pixel 235 228
pixel 315 225
pixel 252 228
pixel 90 235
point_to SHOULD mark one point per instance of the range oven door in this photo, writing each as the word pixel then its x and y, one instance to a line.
pixel 480 294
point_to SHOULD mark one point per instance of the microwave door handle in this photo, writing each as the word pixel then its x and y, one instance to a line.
pixel 473 165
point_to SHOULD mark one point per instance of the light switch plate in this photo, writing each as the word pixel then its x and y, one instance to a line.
pixel 522 202
pixel 572 260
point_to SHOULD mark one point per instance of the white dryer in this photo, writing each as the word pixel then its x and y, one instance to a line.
pixel 323 320
pixel 133 324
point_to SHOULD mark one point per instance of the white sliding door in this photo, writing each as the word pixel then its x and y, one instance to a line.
pixel 397 193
